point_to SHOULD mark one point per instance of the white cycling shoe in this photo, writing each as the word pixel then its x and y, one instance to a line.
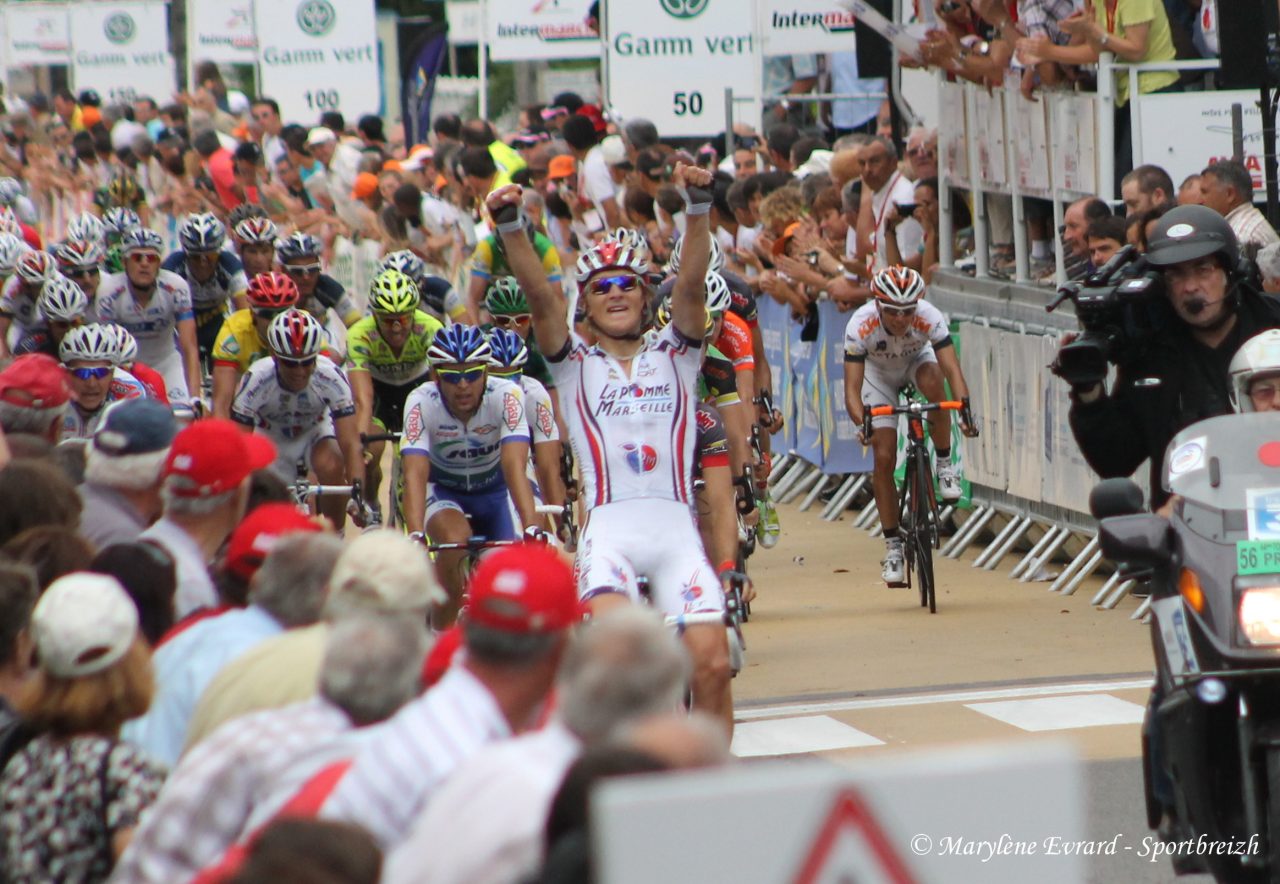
pixel 894 571
pixel 949 482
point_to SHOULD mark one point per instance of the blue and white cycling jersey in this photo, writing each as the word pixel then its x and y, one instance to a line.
pixel 465 456
pixel 153 324
pixel 228 279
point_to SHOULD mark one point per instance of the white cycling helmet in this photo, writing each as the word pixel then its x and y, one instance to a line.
pixel 86 226
pixel 1260 355
pixel 126 344
pixel 610 255
pixel 719 298
pixel 11 249
pixel 633 238
pixel 62 300
pixel 898 286
pixel 717 256
pixel 34 267
pixel 89 343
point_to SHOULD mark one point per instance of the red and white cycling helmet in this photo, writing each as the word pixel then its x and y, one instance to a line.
pixel 271 291
pixel 295 335
pixel 257 231
pixel 898 286
pixel 34 267
pixel 610 255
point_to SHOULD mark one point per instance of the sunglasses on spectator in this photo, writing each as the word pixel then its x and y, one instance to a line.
pixel 460 375
pixel 143 257
pixel 509 321
pixel 302 269
pixel 298 363
pixel 602 285
pixel 96 374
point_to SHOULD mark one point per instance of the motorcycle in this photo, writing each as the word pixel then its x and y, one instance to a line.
pixel 1211 737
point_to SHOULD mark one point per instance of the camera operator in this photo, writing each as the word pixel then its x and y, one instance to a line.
pixel 1180 374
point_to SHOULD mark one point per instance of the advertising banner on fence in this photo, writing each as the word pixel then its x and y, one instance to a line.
pixel 37 34
pixel 1188 131
pixel 795 26
pixel 319 55
pixel 528 30
pixel 670 60
pixel 774 321
pixel 842 453
pixel 463 17
pixel 121 50
pixel 221 31
pixel 805 386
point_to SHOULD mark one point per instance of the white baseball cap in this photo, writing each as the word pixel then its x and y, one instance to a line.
pixel 386 571
pixel 83 624
pixel 614 150
pixel 320 135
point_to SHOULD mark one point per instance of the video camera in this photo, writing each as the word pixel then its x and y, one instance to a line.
pixel 1120 306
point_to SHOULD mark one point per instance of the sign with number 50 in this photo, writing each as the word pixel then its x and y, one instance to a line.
pixel 670 60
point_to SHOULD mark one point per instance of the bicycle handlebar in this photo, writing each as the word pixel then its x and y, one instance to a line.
pixel 915 408
pixel 368 438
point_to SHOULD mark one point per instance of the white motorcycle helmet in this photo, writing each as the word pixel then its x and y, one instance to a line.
pixel 1260 355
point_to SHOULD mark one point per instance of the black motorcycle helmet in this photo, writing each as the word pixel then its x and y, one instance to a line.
pixel 1190 232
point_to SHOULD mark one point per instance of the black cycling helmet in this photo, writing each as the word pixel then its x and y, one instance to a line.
pixel 1190 232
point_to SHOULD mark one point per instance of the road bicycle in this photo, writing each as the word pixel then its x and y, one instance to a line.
pixel 917 501
pixel 391 515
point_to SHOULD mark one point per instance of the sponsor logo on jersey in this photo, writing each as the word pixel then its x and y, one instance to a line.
pixel 646 370
pixel 511 410
pixel 544 419
pixel 413 424
pixel 485 430
pixel 705 420
pixel 691 592
pixel 641 458
pixel 631 399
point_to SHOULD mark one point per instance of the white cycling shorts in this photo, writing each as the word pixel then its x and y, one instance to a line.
pixel 290 451
pixel 880 385
pixel 653 538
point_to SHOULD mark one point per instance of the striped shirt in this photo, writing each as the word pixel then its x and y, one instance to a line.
pixel 242 773
pixel 405 761
pixel 1251 227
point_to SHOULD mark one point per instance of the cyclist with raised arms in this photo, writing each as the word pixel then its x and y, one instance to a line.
pixel 18 314
pixel 509 360
pixel 318 292
pixel 302 402
pixel 215 277
pixel 90 354
pixel 894 339
pixel 242 340
pixel 386 360
pixel 62 306
pixel 464 454
pixel 630 411
pixel 155 306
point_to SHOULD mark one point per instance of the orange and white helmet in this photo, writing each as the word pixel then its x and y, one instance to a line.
pixel 898 286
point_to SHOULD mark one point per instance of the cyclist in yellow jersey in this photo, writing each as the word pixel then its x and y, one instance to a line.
pixel 489 262
pixel 386 359
pixel 243 337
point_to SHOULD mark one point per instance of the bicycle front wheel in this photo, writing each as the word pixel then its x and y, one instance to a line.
pixel 922 529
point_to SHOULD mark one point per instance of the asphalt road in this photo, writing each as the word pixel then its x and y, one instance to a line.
pixel 840 667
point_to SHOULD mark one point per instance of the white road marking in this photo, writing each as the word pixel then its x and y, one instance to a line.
pixel 1062 713
pixel 964 696
pixel 793 736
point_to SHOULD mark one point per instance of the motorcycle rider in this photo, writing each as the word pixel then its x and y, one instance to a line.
pixel 1255 374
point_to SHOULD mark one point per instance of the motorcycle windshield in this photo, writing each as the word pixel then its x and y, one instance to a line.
pixel 1227 470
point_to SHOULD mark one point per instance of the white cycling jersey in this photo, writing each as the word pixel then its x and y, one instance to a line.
pixel 464 456
pixel 228 279
pixel 19 306
pixel 539 410
pixel 633 436
pixel 262 403
pixel 154 325
pixel 865 338
pixel 77 424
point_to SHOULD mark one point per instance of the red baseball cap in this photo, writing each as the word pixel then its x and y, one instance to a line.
pixel 258 532
pixel 35 380
pixel 440 657
pixel 594 114
pixel 527 588
pixel 214 455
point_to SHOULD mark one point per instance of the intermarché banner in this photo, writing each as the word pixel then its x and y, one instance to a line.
pixel 221 31
pixel 121 51
pixel 525 30
pixel 37 34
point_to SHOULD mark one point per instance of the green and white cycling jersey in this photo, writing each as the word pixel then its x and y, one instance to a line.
pixel 368 351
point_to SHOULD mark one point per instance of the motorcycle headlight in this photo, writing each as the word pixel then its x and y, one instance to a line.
pixel 1260 615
